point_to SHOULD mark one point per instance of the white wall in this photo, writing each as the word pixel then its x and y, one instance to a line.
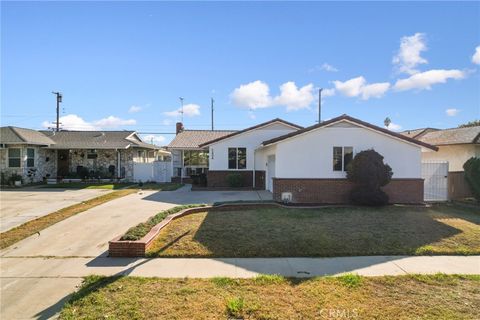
pixel 218 152
pixel 456 155
pixel 309 155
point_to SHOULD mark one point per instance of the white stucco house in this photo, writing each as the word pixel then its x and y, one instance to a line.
pixel 307 165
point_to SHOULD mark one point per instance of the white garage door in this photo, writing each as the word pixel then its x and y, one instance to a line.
pixel 435 175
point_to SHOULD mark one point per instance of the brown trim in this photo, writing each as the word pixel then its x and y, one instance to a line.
pixel 251 128
pixel 360 122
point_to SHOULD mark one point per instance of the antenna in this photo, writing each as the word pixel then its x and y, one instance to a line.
pixel 59 99
pixel 212 111
pixel 320 105
pixel 181 111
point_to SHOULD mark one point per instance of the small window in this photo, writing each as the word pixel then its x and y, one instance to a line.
pixel 237 158
pixel 14 158
pixel 92 154
pixel 342 156
pixel 30 157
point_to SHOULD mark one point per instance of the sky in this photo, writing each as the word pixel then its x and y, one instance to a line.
pixel 124 65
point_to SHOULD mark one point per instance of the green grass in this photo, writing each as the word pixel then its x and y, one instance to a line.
pixel 279 232
pixel 159 186
pixel 141 229
pixel 84 185
pixel 399 297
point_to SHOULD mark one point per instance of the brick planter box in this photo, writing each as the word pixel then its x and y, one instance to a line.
pixel 138 248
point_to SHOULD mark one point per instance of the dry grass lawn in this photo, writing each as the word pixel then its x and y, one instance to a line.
pixel 31 227
pixel 274 297
pixel 393 230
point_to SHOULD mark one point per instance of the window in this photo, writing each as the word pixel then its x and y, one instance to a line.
pixel 195 158
pixel 92 154
pixel 14 157
pixel 141 157
pixel 342 157
pixel 30 158
pixel 237 158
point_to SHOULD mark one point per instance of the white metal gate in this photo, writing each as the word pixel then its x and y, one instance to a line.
pixel 435 175
pixel 158 171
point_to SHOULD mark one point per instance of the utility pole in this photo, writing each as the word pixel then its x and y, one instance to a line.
pixel 320 105
pixel 59 99
pixel 212 112
pixel 181 111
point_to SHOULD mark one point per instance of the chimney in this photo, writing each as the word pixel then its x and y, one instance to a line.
pixel 178 128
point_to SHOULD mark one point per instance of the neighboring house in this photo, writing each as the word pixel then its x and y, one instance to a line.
pixel 455 145
pixel 187 156
pixel 307 165
pixel 36 155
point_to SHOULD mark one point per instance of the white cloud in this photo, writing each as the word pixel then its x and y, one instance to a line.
pixel 425 80
pixel 328 92
pixel 253 95
pixel 134 109
pixel 256 95
pixel 358 87
pixel 189 110
pixel 476 56
pixel 294 98
pixel 167 122
pixel 408 56
pixel 113 122
pixel 452 112
pixel 155 139
pixel 74 122
pixel 328 67
pixel 394 127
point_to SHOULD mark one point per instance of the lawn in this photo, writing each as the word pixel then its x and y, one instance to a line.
pixel 355 231
pixel 84 185
pixel 159 186
pixel 274 297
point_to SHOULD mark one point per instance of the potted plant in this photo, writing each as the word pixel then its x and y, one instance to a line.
pixel 16 179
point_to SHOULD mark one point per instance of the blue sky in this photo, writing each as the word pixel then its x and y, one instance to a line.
pixel 123 65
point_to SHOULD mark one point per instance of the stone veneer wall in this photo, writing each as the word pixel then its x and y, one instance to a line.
pixel 337 191
pixel 42 168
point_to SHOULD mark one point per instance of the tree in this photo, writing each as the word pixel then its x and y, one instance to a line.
pixel 472 175
pixel 473 123
pixel 368 172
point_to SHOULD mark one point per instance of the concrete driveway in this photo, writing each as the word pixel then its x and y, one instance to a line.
pixel 27 288
pixel 21 205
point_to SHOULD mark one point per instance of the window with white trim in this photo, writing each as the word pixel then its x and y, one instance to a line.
pixel 30 157
pixel 237 158
pixel 342 157
pixel 14 157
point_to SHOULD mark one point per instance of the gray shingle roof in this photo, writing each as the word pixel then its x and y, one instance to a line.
pixel 192 139
pixel 15 135
pixel 452 136
pixel 416 133
pixel 95 140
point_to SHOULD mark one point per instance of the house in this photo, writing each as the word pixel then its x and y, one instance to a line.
pixel 308 165
pixel 455 145
pixel 36 155
pixel 187 156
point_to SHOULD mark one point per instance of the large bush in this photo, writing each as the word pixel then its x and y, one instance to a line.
pixel 472 175
pixel 369 173
pixel 235 180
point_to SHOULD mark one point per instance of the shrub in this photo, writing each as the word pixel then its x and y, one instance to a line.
pixel 235 180
pixel 350 280
pixel 235 307
pixel 369 174
pixel 472 175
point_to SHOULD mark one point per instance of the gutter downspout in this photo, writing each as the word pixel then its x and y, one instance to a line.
pixel 118 163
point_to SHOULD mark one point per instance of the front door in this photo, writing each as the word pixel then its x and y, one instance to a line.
pixel 62 162
pixel 270 172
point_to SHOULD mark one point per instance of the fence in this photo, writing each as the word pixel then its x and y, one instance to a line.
pixel 158 171
pixel 458 187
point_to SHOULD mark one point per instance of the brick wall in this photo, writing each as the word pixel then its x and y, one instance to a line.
pixel 217 178
pixel 337 191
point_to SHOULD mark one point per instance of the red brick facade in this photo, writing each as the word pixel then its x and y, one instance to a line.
pixel 337 191
pixel 218 178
